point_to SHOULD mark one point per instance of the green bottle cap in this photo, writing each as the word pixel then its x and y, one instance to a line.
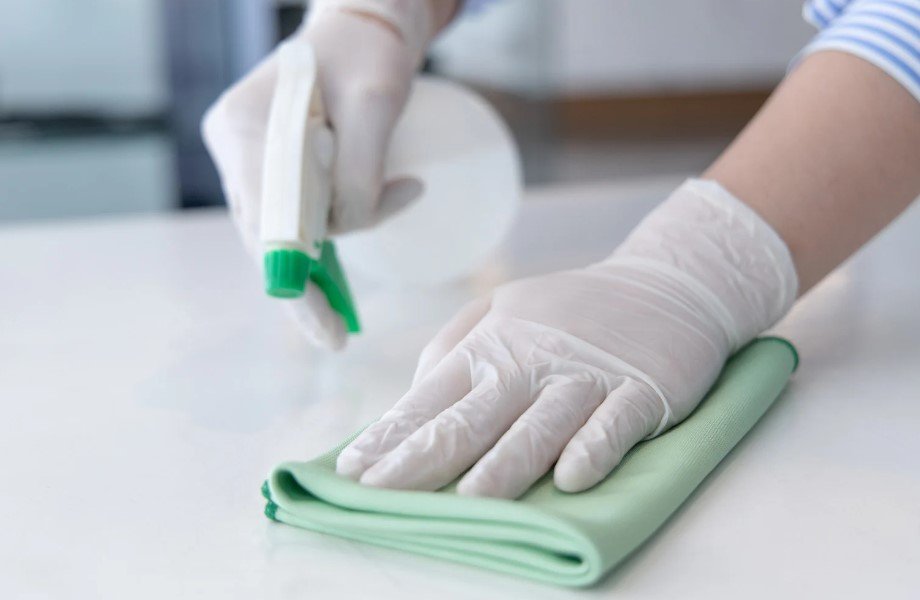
pixel 286 272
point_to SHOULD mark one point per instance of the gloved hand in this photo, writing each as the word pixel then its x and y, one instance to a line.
pixel 367 52
pixel 576 367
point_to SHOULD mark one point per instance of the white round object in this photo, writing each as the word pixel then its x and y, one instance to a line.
pixel 457 145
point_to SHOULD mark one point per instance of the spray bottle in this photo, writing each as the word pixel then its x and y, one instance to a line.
pixel 448 138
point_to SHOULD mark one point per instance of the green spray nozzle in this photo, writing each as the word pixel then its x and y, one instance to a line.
pixel 287 271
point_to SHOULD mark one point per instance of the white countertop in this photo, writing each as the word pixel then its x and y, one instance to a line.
pixel 148 387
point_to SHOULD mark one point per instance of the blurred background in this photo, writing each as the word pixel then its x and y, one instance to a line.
pixel 100 100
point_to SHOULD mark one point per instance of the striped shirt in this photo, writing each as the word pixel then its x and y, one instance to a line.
pixel 885 33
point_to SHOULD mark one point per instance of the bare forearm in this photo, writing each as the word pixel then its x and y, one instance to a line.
pixel 832 158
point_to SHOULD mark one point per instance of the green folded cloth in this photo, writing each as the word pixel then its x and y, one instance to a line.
pixel 565 539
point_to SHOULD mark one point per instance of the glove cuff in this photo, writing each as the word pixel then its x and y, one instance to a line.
pixel 721 253
pixel 413 19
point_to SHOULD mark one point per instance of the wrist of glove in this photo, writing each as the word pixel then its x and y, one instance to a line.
pixel 412 20
pixel 368 52
pixel 575 368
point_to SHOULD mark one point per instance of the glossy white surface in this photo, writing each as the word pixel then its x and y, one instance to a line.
pixel 148 387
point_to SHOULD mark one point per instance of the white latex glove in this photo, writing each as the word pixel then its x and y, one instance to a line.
pixel 367 52
pixel 576 367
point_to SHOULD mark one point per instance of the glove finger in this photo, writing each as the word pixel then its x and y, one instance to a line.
pixel 322 325
pixel 445 447
pixel 233 131
pixel 362 127
pixel 447 338
pixel 531 446
pixel 629 414
pixel 397 194
pixel 248 231
pixel 445 385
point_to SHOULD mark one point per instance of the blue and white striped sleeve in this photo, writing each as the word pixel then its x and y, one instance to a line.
pixel 885 33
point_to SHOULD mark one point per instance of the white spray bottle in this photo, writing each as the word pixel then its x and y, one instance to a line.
pixel 448 138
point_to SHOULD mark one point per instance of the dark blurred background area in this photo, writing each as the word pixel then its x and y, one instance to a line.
pixel 100 100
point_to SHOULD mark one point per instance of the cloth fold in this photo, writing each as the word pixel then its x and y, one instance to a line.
pixel 547 535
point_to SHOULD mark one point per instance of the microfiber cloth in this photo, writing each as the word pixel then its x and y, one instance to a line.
pixel 548 535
